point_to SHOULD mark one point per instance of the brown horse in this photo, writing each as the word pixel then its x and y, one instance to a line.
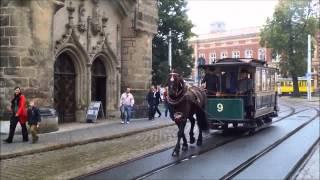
pixel 184 103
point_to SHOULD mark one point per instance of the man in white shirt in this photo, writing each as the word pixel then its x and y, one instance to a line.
pixel 126 104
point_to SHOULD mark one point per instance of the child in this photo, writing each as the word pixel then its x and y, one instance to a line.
pixel 34 120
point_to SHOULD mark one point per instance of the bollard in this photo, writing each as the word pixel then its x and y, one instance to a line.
pixel 49 120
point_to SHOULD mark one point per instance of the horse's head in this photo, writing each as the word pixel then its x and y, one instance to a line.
pixel 175 85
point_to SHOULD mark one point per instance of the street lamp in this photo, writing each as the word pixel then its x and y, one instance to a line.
pixel 169 49
pixel 309 69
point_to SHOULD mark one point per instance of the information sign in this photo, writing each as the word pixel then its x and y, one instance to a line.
pixel 94 109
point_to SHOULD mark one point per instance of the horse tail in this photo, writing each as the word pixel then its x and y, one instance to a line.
pixel 202 121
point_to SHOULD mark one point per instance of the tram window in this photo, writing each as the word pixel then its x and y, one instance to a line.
pixel 272 78
pixel 282 83
pixel 263 78
pixel 228 82
pixel 258 80
pixel 268 76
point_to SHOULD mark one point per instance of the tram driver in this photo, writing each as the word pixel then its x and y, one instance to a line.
pixel 245 82
pixel 210 82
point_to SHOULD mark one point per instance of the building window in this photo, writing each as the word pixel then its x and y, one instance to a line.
pixel 261 54
pixel 235 54
pixel 202 55
pixel 248 53
pixel 212 58
pixel 224 54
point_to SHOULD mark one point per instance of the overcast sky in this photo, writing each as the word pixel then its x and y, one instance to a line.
pixel 235 13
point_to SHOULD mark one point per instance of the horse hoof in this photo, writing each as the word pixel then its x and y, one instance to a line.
pixel 174 154
pixel 185 148
pixel 199 143
pixel 192 140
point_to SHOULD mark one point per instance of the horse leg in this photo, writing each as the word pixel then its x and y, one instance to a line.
pixel 185 142
pixel 191 134
pixel 176 150
pixel 202 125
pixel 199 141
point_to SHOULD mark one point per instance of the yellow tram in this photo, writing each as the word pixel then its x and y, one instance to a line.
pixel 285 85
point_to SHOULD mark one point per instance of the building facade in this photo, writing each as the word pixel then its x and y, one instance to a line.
pixel 67 53
pixel 236 43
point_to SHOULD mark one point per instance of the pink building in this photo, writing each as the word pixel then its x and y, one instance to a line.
pixel 236 43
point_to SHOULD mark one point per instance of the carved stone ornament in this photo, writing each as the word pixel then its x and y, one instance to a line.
pixel 103 36
pixel 82 23
pixel 69 29
pixel 95 21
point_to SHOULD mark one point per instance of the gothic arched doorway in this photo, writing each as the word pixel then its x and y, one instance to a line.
pixel 64 88
pixel 99 82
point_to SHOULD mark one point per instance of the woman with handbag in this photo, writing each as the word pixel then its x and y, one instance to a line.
pixel 19 114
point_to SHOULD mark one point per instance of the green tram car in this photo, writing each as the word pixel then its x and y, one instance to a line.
pixel 241 94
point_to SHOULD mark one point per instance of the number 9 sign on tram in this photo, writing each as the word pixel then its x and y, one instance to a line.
pixel 219 107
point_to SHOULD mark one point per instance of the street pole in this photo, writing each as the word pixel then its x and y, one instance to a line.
pixel 309 68
pixel 196 62
pixel 169 54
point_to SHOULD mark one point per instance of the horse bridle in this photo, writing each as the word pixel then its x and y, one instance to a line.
pixel 180 93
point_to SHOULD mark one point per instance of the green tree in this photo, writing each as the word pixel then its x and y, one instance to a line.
pixel 172 15
pixel 286 33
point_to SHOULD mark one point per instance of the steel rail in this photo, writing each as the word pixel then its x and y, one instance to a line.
pixel 154 171
pixel 254 158
pixel 150 173
pixel 303 161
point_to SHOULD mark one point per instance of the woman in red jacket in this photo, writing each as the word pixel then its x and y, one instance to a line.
pixel 19 114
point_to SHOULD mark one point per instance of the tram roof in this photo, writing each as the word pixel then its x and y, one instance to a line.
pixel 235 62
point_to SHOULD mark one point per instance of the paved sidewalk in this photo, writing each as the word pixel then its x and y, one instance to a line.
pixel 79 133
pixel 315 100
pixel 310 170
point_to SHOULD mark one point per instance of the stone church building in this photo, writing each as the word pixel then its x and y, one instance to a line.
pixel 67 53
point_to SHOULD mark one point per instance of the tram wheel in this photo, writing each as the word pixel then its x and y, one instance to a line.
pixel 267 120
pixel 235 125
pixel 251 132
pixel 225 126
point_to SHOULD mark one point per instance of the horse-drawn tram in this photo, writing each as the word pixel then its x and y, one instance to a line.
pixel 240 93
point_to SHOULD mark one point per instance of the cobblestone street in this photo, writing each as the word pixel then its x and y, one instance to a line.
pixel 77 160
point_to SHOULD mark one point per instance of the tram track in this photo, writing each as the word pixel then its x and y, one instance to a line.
pixel 147 174
pixel 254 158
pixel 293 112
pixel 302 162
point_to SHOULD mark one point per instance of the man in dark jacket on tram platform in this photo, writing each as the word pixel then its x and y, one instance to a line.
pixel 245 82
pixel 211 82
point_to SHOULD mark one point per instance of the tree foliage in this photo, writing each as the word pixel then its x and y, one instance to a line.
pixel 286 33
pixel 172 15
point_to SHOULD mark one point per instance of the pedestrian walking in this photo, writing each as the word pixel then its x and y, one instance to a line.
pixel 34 120
pixel 151 103
pixel 157 100
pixel 19 114
pixel 126 105
pixel 165 102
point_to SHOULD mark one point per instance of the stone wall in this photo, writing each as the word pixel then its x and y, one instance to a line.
pixel 25 49
pixel 136 64
pixel 35 32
